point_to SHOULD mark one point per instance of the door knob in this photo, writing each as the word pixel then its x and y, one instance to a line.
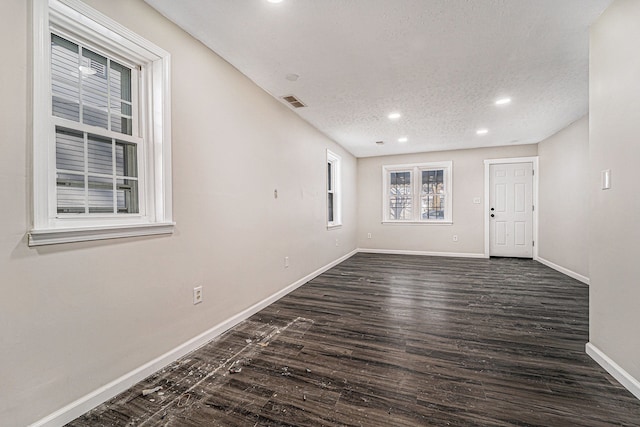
pixel 492 215
pixel 492 209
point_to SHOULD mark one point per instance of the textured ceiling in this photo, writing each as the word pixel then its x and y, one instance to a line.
pixel 440 63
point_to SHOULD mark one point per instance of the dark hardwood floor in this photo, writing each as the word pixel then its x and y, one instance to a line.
pixel 391 340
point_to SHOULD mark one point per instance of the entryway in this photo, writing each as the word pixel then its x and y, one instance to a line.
pixel 510 207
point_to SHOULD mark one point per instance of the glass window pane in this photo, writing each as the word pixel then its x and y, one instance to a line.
pixel 400 197
pixel 330 205
pixel 94 117
pixel 70 193
pixel 94 89
pixel 65 78
pixel 69 150
pixel 65 109
pixel 100 155
pixel 120 81
pixel 100 195
pixel 329 177
pixel 94 72
pixel 126 159
pixel 127 193
pixel 432 194
pixel 121 124
pixel 121 108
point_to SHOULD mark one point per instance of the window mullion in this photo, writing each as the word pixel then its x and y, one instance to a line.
pixel 114 178
pixel 80 92
pixel 108 76
pixel 136 76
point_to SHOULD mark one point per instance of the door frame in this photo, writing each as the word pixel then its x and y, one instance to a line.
pixel 487 189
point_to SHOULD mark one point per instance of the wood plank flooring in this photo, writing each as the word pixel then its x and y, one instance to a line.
pixel 391 340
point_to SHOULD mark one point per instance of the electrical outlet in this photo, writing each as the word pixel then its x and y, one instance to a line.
pixel 455 237
pixel 197 295
pixel 337 242
pixel 368 235
pixel 286 262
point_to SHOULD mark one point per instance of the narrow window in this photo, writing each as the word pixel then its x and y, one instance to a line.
pixel 334 203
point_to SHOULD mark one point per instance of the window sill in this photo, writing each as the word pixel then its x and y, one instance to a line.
pixel 417 222
pixel 69 235
pixel 333 226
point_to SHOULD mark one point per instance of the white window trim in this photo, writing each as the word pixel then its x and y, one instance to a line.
pixel 155 156
pixel 336 163
pixel 415 169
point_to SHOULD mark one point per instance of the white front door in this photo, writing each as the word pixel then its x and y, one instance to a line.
pixel 511 210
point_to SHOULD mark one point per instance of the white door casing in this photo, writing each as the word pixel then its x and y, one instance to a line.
pixel 510 209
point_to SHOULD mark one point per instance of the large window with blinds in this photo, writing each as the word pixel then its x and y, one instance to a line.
pixel 101 128
pixel 417 193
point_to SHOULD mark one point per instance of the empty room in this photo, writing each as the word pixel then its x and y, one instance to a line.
pixel 319 213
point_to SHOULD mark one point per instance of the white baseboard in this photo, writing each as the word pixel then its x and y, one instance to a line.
pixel 573 274
pixel 117 386
pixel 616 371
pixel 422 253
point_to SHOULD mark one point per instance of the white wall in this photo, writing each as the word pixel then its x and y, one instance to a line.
pixel 74 317
pixel 563 236
pixel 468 218
pixel 614 143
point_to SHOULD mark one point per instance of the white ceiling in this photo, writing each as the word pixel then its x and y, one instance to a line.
pixel 440 63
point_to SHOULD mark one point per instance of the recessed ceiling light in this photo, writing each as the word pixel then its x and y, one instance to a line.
pixel 274 1
pixel 292 77
pixel 482 131
pixel 403 139
pixel 503 101
pixel 394 116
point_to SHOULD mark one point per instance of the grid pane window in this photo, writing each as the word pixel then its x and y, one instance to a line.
pixel 432 194
pixel 400 195
pixel 101 126
pixel 95 175
pixel 417 193
pixel 90 88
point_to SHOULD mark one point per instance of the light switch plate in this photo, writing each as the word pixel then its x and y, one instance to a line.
pixel 606 179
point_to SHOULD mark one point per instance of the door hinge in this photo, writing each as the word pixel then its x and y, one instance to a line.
pixel 533 208
pixel 533 172
pixel 533 243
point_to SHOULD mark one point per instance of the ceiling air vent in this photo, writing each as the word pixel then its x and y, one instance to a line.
pixel 293 101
